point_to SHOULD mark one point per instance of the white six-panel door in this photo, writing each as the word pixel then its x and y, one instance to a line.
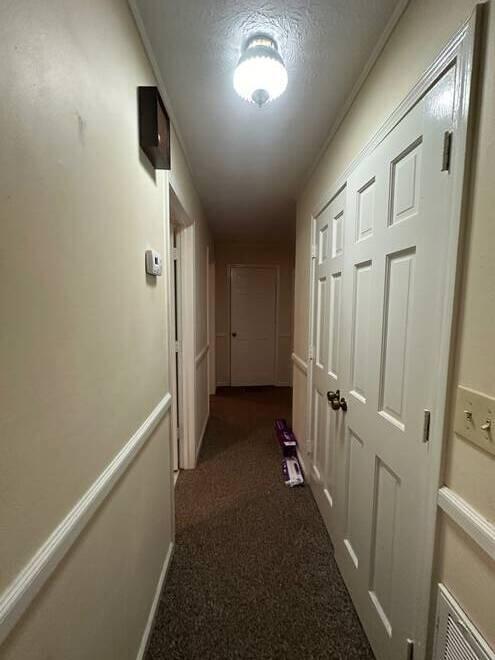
pixel 253 300
pixel 380 279
pixel 327 363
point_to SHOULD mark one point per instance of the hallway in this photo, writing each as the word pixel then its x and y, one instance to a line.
pixel 217 214
pixel 253 574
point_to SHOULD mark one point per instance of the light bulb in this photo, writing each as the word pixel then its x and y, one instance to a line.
pixel 260 75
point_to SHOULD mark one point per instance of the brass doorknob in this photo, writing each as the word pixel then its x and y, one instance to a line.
pixel 234 334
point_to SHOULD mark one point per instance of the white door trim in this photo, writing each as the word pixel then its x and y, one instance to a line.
pixel 168 262
pixel 168 321
pixel 275 267
pixel 461 52
pixel 188 419
pixel 187 270
pixel 208 342
pixel 210 324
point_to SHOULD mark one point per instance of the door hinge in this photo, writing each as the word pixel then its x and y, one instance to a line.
pixel 410 649
pixel 310 353
pixel 426 425
pixel 447 150
pixel 177 347
pixel 313 252
pixel 174 254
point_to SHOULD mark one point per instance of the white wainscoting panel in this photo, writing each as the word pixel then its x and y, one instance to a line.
pixel 299 403
pixel 202 398
pixel 19 594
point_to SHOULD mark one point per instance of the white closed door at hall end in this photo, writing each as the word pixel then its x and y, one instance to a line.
pixel 380 282
pixel 253 300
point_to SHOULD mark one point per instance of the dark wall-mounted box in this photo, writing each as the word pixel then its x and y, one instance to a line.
pixel 154 128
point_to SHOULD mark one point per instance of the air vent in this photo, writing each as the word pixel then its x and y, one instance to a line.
pixel 456 637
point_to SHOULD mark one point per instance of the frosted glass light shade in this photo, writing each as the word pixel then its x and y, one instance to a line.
pixel 260 75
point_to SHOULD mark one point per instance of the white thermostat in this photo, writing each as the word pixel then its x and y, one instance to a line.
pixel 153 262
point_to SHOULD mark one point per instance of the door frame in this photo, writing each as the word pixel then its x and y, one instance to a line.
pixel 276 268
pixel 210 275
pixel 175 318
pixel 462 52
pixel 310 471
pixel 187 268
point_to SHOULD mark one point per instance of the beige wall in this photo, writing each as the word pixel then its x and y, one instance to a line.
pixel 281 255
pixel 422 31
pixel 97 603
pixel 83 341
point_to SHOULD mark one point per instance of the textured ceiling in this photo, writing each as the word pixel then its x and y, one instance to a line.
pixel 248 163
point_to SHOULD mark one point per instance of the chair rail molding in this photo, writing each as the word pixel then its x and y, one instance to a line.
pixel 28 582
pixel 202 354
pixel 476 526
pixel 300 363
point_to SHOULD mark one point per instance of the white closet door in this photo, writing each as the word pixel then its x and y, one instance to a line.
pixel 253 314
pixel 397 224
pixel 327 362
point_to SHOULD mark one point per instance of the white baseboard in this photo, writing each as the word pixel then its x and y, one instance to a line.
pixel 28 582
pixel 154 605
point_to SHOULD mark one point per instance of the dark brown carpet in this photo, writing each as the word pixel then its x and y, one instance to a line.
pixel 253 574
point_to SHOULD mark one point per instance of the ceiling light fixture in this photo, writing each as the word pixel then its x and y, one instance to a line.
pixel 260 75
